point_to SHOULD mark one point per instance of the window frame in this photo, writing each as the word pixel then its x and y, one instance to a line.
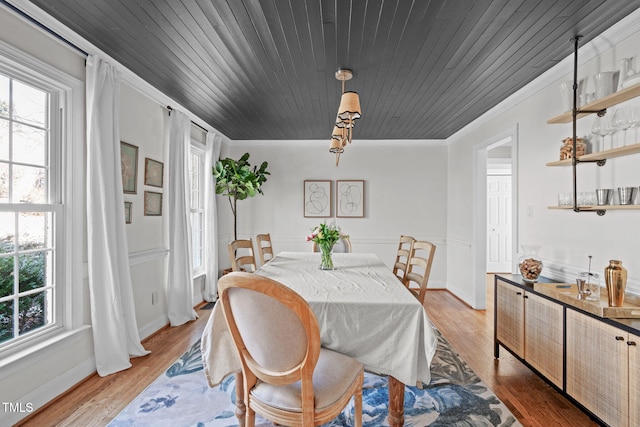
pixel 65 195
pixel 198 149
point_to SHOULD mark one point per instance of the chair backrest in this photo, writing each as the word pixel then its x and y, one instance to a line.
pixel 419 268
pixel 265 250
pixel 343 245
pixel 241 254
pixel 275 331
pixel 402 257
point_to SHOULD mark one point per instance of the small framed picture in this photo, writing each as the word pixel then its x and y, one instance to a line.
pixel 127 212
pixel 350 199
pixel 153 171
pixel 129 166
pixel 317 199
pixel 152 203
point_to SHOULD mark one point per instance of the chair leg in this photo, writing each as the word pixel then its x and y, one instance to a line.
pixel 250 419
pixel 357 415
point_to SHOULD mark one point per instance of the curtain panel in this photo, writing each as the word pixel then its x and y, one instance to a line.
pixel 180 265
pixel 115 331
pixel 213 145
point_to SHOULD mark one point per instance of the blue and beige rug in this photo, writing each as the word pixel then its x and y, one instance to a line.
pixel 454 397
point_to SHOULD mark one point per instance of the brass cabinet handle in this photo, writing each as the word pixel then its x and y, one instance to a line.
pixel 620 338
pixel 631 343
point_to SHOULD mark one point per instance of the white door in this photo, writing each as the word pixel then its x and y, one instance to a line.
pixel 499 224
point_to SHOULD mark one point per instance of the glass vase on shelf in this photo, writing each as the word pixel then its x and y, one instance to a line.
pixel 530 263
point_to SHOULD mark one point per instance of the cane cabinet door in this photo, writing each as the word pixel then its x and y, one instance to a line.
pixel 634 380
pixel 510 313
pixel 598 368
pixel 544 334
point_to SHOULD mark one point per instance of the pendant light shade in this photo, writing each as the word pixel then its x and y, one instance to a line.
pixel 348 112
pixel 349 106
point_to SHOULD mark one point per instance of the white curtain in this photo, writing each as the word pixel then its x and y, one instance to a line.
pixel 115 332
pixel 212 154
pixel 179 283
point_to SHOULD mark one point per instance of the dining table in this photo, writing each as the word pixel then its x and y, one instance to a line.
pixel 363 310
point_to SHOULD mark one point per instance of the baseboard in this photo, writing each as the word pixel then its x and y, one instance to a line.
pixel 47 393
pixel 462 296
pixel 153 327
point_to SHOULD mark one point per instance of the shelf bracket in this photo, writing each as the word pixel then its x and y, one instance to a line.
pixel 600 162
pixel 600 113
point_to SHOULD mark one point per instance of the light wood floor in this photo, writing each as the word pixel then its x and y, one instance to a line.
pixel 96 401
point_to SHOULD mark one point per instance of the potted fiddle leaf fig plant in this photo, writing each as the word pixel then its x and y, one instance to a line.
pixel 237 180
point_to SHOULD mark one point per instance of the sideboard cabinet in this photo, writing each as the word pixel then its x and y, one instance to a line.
pixel 594 361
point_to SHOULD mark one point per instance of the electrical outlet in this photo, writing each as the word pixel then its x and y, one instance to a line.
pixel 529 211
pixel 154 297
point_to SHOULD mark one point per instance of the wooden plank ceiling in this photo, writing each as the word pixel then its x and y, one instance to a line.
pixel 265 69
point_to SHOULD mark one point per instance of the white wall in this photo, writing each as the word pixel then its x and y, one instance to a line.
pixel 142 122
pixel 567 238
pixel 405 193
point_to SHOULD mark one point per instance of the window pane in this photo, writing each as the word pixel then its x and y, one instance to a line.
pixel 29 104
pixel 6 276
pixel 6 320
pixel 4 182
pixel 35 232
pixel 4 139
pixel 7 232
pixel 29 145
pixel 32 312
pixel 4 96
pixel 29 184
pixel 31 273
pixel 196 230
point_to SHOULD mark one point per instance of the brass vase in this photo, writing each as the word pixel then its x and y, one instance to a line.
pixel 615 276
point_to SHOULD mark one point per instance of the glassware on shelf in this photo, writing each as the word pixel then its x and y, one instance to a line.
pixel 622 120
pixel 602 127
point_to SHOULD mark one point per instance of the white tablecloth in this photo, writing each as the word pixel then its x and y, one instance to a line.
pixel 362 309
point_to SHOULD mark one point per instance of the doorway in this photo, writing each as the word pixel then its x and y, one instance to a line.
pixel 499 209
pixel 505 147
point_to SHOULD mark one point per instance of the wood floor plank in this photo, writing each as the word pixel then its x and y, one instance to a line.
pixel 96 401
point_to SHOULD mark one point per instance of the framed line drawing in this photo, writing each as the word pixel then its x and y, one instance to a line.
pixel 317 198
pixel 152 203
pixel 350 198
pixel 153 171
pixel 129 166
pixel 128 212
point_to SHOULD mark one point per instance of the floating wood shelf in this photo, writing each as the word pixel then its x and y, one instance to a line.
pixel 600 104
pixel 601 155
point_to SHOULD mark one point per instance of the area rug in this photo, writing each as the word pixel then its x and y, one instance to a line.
pixel 454 397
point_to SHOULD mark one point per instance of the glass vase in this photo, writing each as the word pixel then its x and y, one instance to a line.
pixel 530 264
pixel 326 262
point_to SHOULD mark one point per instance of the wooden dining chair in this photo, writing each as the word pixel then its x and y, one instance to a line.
pixel 242 256
pixel 287 377
pixel 265 249
pixel 402 257
pixel 419 268
pixel 343 245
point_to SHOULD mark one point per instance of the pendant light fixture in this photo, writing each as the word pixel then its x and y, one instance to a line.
pixel 348 111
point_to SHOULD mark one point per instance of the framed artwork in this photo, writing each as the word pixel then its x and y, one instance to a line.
pixel 127 212
pixel 153 171
pixel 152 203
pixel 129 166
pixel 350 199
pixel 317 199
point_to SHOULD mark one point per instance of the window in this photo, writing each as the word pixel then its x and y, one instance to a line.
pixel 41 203
pixel 197 207
pixel 28 217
